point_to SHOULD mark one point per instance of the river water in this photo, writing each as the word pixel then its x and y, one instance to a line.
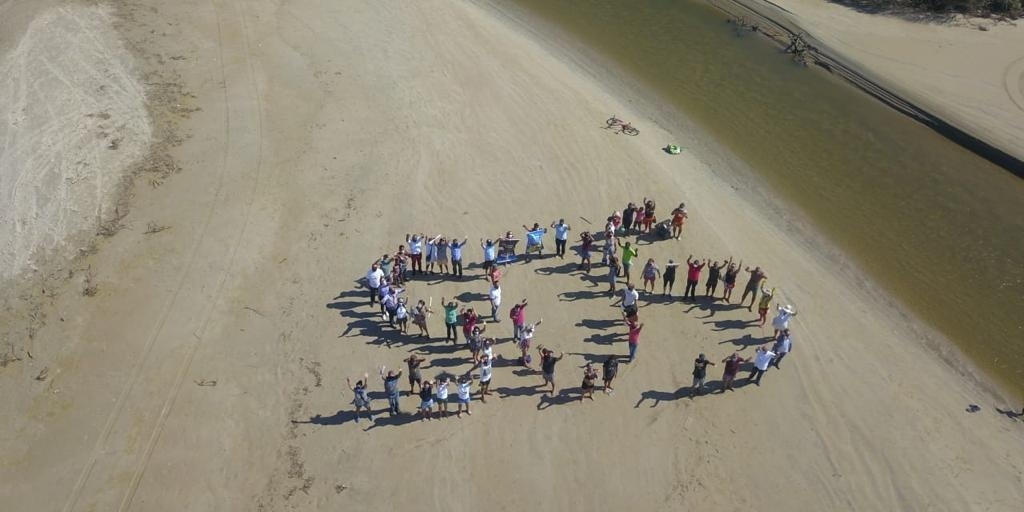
pixel 941 228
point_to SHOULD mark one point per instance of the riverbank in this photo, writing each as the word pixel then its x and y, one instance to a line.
pixel 962 76
pixel 208 370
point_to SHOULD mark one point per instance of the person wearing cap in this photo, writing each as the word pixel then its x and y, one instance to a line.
pixel 700 373
pixel 668 277
pixel 781 320
pixel 783 345
pixel 561 237
pixel 732 367
pixel 762 358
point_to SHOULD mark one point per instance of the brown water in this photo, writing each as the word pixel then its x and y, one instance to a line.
pixel 940 227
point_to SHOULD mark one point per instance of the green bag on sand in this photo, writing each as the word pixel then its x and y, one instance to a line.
pixel 672 149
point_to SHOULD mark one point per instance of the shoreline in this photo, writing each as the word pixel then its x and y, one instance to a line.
pixel 332 129
pixel 784 24
pixel 754 189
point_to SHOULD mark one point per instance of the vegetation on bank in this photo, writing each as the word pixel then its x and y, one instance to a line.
pixel 1008 8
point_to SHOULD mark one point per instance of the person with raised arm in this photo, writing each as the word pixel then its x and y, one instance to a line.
pixel 360 399
pixel 415 243
pixel 561 237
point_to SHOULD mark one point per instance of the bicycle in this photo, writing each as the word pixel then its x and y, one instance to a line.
pixel 624 127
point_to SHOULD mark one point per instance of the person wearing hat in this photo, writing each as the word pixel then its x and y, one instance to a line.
pixel 781 320
pixel 700 373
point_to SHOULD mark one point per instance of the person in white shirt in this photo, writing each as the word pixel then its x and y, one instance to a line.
pixel 441 391
pixel 416 251
pixel 629 298
pixel 783 346
pixel 495 297
pixel 762 358
pixel 373 278
pixel 781 321
pixel 561 237
pixel 463 385
pixel 485 377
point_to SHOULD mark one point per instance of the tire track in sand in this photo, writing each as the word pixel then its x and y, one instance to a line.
pixel 172 304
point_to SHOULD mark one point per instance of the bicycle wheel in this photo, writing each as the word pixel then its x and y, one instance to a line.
pixel 631 131
pixel 613 121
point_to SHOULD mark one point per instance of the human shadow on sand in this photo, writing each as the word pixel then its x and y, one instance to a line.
pixel 564 396
pixel 564 268
pixel 725 325
pixel 603 339
pixel 580 295
pixel 657 397
pixel 745 341
pixel 467 297
pixel 598 325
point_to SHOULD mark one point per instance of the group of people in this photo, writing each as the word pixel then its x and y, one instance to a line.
pixel 387 276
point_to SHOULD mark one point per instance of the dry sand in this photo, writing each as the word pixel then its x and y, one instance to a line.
pixel 207 372
pixel 967 71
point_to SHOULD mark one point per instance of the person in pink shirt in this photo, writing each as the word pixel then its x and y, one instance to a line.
pixel 692 276
pixel 469 320
pixel 634 337
pixel 518 316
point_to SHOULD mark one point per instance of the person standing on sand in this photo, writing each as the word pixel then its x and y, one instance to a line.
pixel 469 319
pixel 629 298
pixel 650 273
pixel 692 277
pixel 732 367
pixel 586 246
pixel 391 389
pixel 426 400
pixel 463 386
pixel 442 255
pixel 589 379
pixel 669 277
pixel 783 345
pixel 628 253
pixel 561 237
pixel 753 283
pixel 714 272
pixel 609 246
pixel 518 316
pixel 629 215
pixel 451 321
pixel 634 337
pixel 762 358
pixel 526 337
pixel 360 400
pixel 416 251
pixel 732 270
pixel 490 253
pixel 679 217
pixel 494 296
pixel 383 290
pixel 401 316
pixel 476 342
pixel 441 385
pixel 419 318
pixel 547 366
pixel 373 278
pixel 781 320
pixel 609 370
pixel 700 373
pixel 764 304
pixel 485 378
pixel 432 254
pixel 613 273
pixel 649 217
pixel 456 247
pixel 415 377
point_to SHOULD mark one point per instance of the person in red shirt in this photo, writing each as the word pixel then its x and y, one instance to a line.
pixel 692 276
pixel 634 337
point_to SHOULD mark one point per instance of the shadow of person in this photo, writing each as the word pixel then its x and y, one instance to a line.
pixel 563 397
pixel 660 396
pixel 724 325
pixel 1009 413
pixel 744 341
pixel 335 419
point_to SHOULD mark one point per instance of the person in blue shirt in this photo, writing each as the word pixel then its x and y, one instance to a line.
pixel 456 248
pixel 490 253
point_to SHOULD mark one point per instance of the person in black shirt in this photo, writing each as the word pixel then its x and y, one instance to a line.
pixel 547 366
pixel 714 272
pixel 611 368
pixel 426 400
pixel 668 277
pixel 700 373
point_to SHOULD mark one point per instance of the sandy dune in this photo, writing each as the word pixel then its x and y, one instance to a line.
pixel 207 373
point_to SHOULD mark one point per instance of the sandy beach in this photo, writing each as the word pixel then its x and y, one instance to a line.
pixel 295 141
